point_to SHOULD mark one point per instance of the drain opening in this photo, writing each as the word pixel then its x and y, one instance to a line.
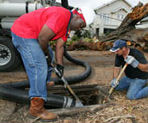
pixel 88 94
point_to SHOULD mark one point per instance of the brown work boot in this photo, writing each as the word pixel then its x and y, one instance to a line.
pixel 37 109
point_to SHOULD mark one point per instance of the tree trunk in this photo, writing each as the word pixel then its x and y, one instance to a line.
pixel 77 111
pixel 127 30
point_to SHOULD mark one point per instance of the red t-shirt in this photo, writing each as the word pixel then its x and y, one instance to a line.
pixel 29 25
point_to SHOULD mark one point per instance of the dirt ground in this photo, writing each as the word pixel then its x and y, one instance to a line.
pixel 122 110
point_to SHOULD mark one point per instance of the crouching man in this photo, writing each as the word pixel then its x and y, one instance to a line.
pixel 136 73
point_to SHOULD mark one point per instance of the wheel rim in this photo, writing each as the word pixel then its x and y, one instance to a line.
pixel 5 55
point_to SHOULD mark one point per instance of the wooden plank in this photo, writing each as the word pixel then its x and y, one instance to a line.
pixel 75 111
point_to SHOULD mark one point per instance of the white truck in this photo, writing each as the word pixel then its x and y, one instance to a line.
pixel 10 10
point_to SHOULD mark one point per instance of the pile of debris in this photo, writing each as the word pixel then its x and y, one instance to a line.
pixel 137 38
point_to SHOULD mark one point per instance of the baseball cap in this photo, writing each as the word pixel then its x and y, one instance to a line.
pixel 78 11
pixel 117 45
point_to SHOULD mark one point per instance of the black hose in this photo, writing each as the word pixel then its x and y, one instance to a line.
pixel 76 78
pixel 16 91
pixel 21 96
pixel 70 79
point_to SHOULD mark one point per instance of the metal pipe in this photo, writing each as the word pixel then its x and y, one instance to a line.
pixel 17 9
pixel 7 22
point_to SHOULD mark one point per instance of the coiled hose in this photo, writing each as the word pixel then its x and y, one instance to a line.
pixel 16 91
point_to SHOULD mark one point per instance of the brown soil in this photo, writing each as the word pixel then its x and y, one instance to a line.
pixel 123 110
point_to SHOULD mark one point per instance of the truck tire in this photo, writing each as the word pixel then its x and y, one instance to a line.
pixel 9 57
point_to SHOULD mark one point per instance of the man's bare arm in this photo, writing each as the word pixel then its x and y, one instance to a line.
pixel 59 51
pixel 143 67
pixel 45 35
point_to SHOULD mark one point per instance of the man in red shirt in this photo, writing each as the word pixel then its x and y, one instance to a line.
pixel 31 34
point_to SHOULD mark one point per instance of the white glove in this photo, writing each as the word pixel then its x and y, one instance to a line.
pixel 131 61
pixel 113 83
